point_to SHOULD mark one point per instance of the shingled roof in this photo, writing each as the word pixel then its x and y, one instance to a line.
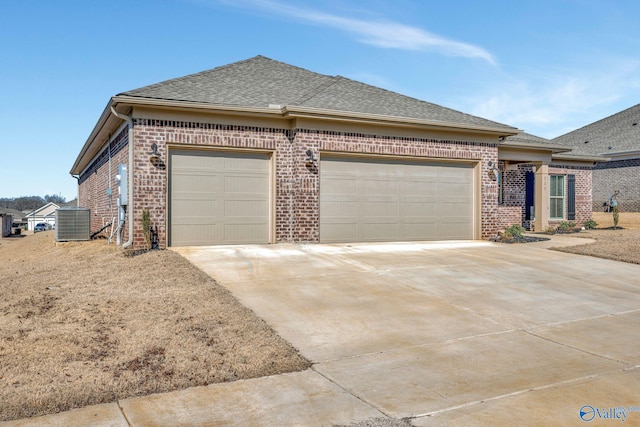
pixel 262 82
pixel 615 134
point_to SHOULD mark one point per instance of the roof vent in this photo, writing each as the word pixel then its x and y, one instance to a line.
pixel 586 142
pixel 635 124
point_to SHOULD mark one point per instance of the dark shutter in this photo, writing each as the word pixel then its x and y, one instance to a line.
pixel 571 197
pixel 528 195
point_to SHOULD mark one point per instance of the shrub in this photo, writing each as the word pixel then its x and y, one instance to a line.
pixel 565 226
pixel 514 231
pixel 590 224
pixel 146 223
pixel 550 230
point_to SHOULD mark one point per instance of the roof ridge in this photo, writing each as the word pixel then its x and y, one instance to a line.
pixel 189 76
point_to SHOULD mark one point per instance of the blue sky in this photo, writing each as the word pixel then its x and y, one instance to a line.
pixel 544 66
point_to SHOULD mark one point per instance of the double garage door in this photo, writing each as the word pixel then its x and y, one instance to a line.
pixel 376 200
pixel 225 198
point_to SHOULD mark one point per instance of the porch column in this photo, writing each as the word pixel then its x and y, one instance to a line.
pixel 541 198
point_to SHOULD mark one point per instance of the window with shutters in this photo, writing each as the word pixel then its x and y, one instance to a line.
pixel 557 193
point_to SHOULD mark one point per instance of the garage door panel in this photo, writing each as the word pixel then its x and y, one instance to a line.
pixel 218 198
pixel 414 231
pixel 376 232
pixel 241 233
pixel 337 187
pixel 378 186
pixel 183 210
pixel 341 209
pixel 240 162
pixel 451 208
pixel 455 230
pixel 237 183
pixel 201 236
pixel 424 188
pixel 418 210
pixel 337 231
pixel 391 199
pixel 380 209
pixel 184 181
pixel 449 189
pixel 245 209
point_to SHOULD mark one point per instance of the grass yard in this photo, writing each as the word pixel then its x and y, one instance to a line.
pixel 82 324
pixel 619 245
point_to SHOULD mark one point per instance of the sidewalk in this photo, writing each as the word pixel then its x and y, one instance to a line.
pixel 301 398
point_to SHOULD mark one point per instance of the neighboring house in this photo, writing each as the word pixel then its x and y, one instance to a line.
pixel 46 213
pixel 570 182
pixel 6 220
pixel 19 217
pixel 616 137
pixel 260 151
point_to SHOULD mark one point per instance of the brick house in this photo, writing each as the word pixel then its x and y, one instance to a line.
pixel 260 151
pixel 617 138
pixel 570 182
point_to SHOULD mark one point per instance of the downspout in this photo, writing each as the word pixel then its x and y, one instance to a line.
pixel 77 177
pixel 129 121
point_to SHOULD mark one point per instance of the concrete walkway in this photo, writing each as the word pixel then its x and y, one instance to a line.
pixel 448 333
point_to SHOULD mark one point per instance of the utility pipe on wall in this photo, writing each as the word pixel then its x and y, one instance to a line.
pixel 129 121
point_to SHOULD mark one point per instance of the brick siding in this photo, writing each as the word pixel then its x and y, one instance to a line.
pixel 623 175
pixel 95 180
pixel 514 189
pixel 584 185
pixel 297 186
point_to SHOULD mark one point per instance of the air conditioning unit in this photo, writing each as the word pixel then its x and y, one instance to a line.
pixel 72 224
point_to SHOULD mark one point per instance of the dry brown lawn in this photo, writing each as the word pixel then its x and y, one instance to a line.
pixel 616 244
pixel 80 324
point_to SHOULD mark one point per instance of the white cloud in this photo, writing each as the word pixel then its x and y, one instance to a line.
pixel 559 103
pixel 384 34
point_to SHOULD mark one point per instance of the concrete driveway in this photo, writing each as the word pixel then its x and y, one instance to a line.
pixel 468 333
pixel 450 333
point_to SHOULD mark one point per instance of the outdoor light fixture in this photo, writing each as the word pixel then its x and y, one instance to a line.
pixel 493 168
pixel 154 156
pixel 310 161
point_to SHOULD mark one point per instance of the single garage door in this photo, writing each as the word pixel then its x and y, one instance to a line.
pixel 218 198
pixel 375 200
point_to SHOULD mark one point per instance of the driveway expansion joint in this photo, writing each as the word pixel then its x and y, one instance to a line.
pixel 124 414
pixel 577 349
pixel 351 392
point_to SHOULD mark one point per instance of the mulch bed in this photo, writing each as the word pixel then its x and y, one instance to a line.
pixel 523 239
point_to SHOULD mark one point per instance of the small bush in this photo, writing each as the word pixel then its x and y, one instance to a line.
pixel 146 222
pixel 565 226
pixel 550 230
pixel 514 231
pixel 590 224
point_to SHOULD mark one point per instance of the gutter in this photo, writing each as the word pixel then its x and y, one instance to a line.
pixel 129 121
pixel 581 157
pixel 289 111
pixel 536 146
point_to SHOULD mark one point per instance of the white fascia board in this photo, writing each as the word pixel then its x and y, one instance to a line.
pixel 285 111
